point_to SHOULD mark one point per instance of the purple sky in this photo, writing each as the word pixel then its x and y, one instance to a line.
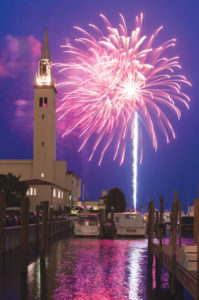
pixel 174 166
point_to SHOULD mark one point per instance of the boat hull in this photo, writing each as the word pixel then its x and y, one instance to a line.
pixel 86 231
pixel 136 231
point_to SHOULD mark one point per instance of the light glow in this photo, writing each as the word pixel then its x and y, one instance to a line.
pixel 135 159
pixel 43 80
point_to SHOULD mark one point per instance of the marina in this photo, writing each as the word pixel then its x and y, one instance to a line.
pixel 100 266
pixel 85 268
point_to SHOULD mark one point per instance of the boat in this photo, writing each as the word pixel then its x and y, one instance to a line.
pixel 187 221
pixel 88 224
pixel 167 219
pixel 130 224
pixel 187 257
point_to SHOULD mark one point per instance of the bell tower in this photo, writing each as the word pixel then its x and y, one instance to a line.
pixel 44 144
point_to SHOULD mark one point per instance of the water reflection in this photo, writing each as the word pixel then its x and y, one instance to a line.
pixel 135 276
pixel 86 269
pixel 103 269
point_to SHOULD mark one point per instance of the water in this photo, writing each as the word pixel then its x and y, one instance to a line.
pixel 86 269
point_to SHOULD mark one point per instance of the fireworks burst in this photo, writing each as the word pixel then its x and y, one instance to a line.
pixel 111 77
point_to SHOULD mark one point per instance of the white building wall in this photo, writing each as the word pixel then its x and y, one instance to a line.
pixel 43 193
pixel 23 168
pixel 60 174
pixel 69 181
pixel 74 186
pixel 44 146
pixel 54 195
pixel 79 185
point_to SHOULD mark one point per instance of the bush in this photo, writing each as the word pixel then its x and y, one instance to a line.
pixel 116 199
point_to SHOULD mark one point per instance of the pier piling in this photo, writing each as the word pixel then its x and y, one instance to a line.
pixel 24 226
pixel 37 222
pixel 150 248
pixel 180 223
pixel 50 222
pixel 195 232
pixel 174 224
pixel 197 224
pixel 161 220
pixel 2 211
pixel 44 228
pixel 102 216
pixel 150 233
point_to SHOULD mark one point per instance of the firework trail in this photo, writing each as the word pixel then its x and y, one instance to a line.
pixel 135 159
pixel 109 77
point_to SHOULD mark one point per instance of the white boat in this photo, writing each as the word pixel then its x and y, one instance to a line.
pixel 87 225
pixel 187 221
pixel 130 223
pixel 187 257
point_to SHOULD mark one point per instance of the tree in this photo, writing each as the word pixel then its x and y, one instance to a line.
pixel 13 189
pixel 116 199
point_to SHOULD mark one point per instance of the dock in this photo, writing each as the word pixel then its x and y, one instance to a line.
pixel 188 279
pixel 181 261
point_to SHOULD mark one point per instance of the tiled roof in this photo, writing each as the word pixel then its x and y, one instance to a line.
pixel 43 182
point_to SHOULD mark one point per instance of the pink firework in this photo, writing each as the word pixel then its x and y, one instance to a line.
pixel 110 77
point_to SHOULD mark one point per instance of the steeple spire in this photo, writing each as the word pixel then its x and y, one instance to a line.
pixel 45 49
pixel 44 76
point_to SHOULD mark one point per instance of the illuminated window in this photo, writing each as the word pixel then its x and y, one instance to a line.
pixel 62 195
pixel 42 175
pixel 31 192
pixel 54 192
pixel 59 194
pixel 43 102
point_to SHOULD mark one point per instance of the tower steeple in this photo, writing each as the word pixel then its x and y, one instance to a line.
pixel 45 49
pixel 44 76
pixel 44 152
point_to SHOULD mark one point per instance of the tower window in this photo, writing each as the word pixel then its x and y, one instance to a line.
pixel 43 116
pixel 43 102
pixel 42 143
pixel 44 69
pixel 40 101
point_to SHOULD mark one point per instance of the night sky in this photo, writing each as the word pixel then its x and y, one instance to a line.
pixel 174 166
